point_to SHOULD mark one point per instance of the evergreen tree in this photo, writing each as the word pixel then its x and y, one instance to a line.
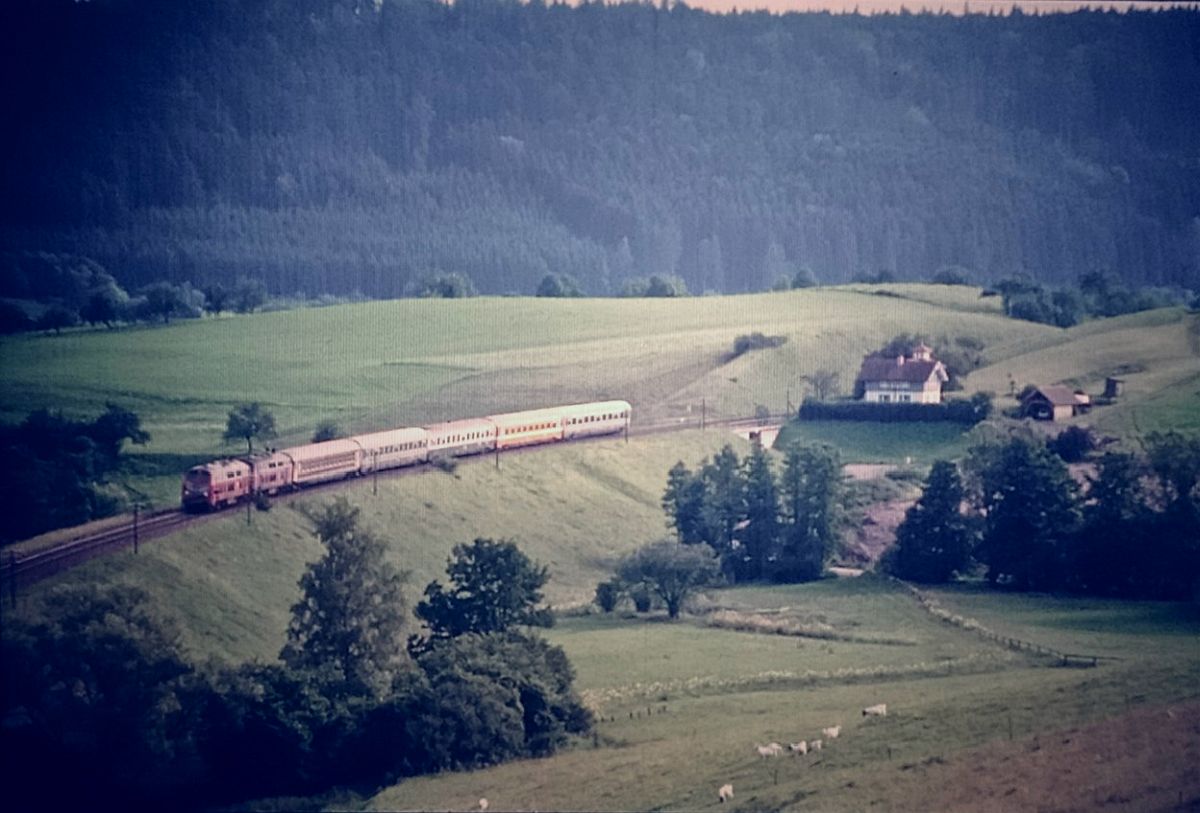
pixel 1108 550
pixel 1030 503
pixel 760 537
pixel 348 627
pixel 724 504
pixel 810 487
pixel 934 540
pixel 683 501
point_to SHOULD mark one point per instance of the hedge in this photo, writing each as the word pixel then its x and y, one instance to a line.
pixel 954 410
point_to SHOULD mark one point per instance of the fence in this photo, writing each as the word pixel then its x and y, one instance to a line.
pixel 970 625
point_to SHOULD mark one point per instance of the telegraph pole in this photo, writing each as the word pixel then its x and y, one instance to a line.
pixel 374 471
pixel 703 413
pixel 136 507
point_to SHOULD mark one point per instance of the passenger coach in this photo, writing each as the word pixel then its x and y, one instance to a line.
pixel 225 482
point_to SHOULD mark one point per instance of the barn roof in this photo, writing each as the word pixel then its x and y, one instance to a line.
pixel 1058 395
pixel 882 368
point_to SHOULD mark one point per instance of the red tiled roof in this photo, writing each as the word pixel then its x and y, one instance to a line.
pixel 881 368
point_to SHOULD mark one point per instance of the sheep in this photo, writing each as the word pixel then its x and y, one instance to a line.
pixel 832 732
pixel 798 747
pixel 725 793
pixel 879 710
pixel 768 750
pixel 815 745
pixel 483 804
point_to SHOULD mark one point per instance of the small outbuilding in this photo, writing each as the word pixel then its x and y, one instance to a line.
pixel 1054 403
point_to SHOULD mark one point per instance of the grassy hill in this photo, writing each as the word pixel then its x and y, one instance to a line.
pixel 382 364
pixel 577 508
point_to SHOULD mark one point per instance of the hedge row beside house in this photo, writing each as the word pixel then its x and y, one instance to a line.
pixel 956 410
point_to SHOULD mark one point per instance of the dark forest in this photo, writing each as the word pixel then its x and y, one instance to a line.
pixel 341 147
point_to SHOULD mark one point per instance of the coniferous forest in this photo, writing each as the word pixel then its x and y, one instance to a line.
pixel 345 146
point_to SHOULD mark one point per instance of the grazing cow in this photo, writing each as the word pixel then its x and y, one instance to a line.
pixel 879 710
pixel 483 804
pixel 832 732
pixel 798 747
pixel 815 745
pixel 776 748
pixel 725 793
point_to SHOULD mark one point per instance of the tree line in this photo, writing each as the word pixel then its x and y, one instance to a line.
pixel 1013 510
pixel 57 469
pixel 100 686
pixel 342 147
pixel 760 525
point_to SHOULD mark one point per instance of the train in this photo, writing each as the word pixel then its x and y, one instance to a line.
pixel 228 481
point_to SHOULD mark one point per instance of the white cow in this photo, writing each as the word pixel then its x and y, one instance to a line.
pixel 815 745
pixel 483 804
pixel 725 793
pixel 832 732
pixel 776 748
pixel 879 710
pixel 798 747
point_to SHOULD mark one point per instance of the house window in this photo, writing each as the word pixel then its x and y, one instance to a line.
pixel 884 398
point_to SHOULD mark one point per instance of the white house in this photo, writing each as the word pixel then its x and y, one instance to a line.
pixel 917 379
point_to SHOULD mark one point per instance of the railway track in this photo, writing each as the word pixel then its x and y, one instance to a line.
pixel 19 571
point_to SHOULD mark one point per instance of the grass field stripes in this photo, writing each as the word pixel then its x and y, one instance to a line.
pixel 760 622
pixel 939 612
pixel 602 700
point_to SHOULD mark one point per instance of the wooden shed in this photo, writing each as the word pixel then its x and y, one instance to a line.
pixel 1054 403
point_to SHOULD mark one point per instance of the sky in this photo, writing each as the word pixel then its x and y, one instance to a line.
pixel 952 6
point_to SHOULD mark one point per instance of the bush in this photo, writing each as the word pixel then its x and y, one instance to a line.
pixel 951 275
pixel 446 286
pixel 755 341
pixel 607 595
pixel 643 599
pixel 804 279
pixel 1073 444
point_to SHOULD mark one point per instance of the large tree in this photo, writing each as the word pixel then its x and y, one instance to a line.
pixel 759 538
pixel 247 422
pixel 672 570
pixel 934 540
pixel 348 626
pixel 1031 508
pixel 493 587
pixel 683 502
pixel 724 501
pixel 810 487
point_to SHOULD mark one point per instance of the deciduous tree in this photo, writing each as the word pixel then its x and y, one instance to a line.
pixel 249 421
pixel 673 571
pixel 348 626
pixel 493 587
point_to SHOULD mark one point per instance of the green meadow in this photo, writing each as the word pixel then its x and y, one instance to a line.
pixel 377 365
pixel 681 705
